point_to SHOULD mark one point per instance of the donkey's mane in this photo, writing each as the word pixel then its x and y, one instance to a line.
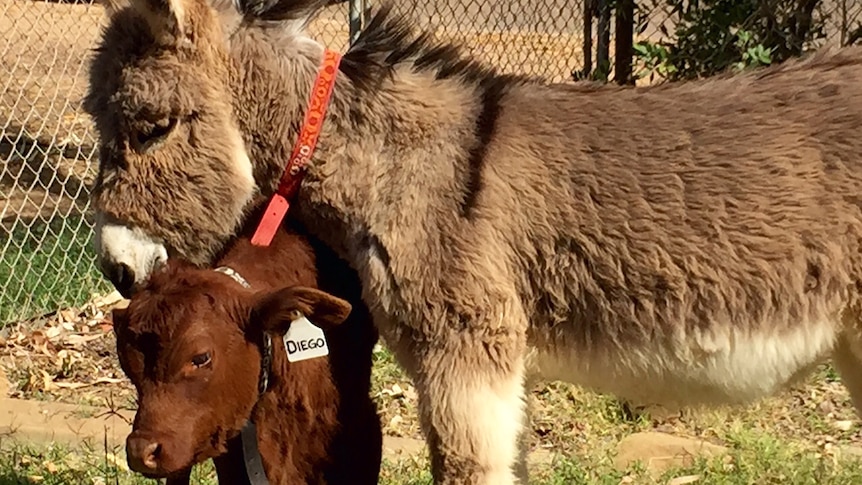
pixel 390 40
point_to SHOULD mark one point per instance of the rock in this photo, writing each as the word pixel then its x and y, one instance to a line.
pixel 661 451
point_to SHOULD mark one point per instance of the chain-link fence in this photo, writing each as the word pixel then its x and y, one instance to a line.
pixel 47 152
pixel 47 144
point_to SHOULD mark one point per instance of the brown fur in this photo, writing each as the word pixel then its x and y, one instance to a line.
pixel 316 423
pixel 687 243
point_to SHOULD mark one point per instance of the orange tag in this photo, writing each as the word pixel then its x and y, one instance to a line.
pixel 321 93
pixel 275 212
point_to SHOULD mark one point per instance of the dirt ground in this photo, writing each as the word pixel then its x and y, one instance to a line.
pixel 70 357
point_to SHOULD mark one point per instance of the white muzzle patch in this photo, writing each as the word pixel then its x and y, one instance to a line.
pixel 117 244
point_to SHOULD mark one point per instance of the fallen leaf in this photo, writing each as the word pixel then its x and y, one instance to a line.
pixel 68 315
pixel 107 380
pixel 77 340
pixel 4 384
pixel 53 332
pixel 37 338
pixel 70 385
pixel 47 381
pixel 684 480
pixel 843 425
pixel 121 464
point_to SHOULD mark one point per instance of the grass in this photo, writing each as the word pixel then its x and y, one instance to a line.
pixel 788 439
pixel 754 458
pixel 45 266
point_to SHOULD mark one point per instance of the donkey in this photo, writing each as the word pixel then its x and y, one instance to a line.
pixel 681 244
pixel 214 380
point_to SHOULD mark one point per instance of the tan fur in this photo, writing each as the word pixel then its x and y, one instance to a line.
pixel 688 243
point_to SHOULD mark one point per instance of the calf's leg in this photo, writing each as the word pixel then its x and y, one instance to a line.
pixel 471 404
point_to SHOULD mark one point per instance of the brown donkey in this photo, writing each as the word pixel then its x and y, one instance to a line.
pixel 204 350
pixel 701 244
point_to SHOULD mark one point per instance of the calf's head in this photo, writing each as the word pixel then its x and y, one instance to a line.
pixel 175 177
pixel 191 344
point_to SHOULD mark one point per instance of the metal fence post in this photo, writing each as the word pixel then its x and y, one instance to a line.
pixel 357 12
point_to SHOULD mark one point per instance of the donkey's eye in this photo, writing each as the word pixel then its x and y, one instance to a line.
pixel 145 139
pixel 201 360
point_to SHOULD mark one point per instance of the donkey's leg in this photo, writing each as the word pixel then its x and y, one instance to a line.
pixel 471 390
pixel 847 358
pixel 522 470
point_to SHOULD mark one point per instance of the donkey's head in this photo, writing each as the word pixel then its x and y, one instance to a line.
pixel 175 176
pixel 191 342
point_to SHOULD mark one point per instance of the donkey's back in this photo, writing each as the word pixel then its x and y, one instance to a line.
pixel 686 236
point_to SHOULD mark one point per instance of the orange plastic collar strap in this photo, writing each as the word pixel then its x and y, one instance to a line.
pixel 302 150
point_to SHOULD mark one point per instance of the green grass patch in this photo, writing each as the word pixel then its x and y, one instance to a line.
pixel 45 266
pixel 753 458
pixel 60 465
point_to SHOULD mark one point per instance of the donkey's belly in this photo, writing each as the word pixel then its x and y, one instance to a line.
pixel 724 367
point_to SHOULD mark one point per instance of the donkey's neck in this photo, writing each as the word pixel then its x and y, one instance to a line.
pixel 416 123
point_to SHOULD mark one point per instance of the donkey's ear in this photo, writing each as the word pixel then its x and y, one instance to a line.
pixel 275 310
pixel 165 17
pixel 284 10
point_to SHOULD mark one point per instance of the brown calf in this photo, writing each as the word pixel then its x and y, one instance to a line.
pixel 192 342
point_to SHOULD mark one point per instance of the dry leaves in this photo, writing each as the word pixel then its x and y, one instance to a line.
pixel 61 353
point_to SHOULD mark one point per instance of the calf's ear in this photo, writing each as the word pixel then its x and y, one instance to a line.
pixel 275 310
pixel 119 319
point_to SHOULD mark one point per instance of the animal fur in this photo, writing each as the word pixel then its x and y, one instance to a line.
pixel 693 243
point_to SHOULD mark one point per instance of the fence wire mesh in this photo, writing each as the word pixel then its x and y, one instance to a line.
pixel 47 143
pixel 541 37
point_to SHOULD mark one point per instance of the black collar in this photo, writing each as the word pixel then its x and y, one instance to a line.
pixel 251 455
pixel 248 436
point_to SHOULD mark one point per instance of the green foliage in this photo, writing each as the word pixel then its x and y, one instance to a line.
pixel 45 266
pixel 713 36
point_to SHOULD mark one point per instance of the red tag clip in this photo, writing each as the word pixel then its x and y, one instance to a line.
pixel 302 150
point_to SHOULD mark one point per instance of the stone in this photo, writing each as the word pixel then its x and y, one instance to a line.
pixel 660 451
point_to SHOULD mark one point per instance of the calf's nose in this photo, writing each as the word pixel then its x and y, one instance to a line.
pixel 143 453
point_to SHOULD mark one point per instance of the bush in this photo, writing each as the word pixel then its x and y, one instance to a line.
pixel 712 36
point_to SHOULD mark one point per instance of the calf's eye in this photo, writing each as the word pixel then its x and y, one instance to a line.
pixel 201 360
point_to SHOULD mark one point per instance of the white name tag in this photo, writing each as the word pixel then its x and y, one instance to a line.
pixel 304 341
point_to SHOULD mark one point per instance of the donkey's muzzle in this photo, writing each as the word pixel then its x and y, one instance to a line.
pixel 121 276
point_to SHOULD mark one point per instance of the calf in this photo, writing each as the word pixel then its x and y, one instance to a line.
pixel 197 345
